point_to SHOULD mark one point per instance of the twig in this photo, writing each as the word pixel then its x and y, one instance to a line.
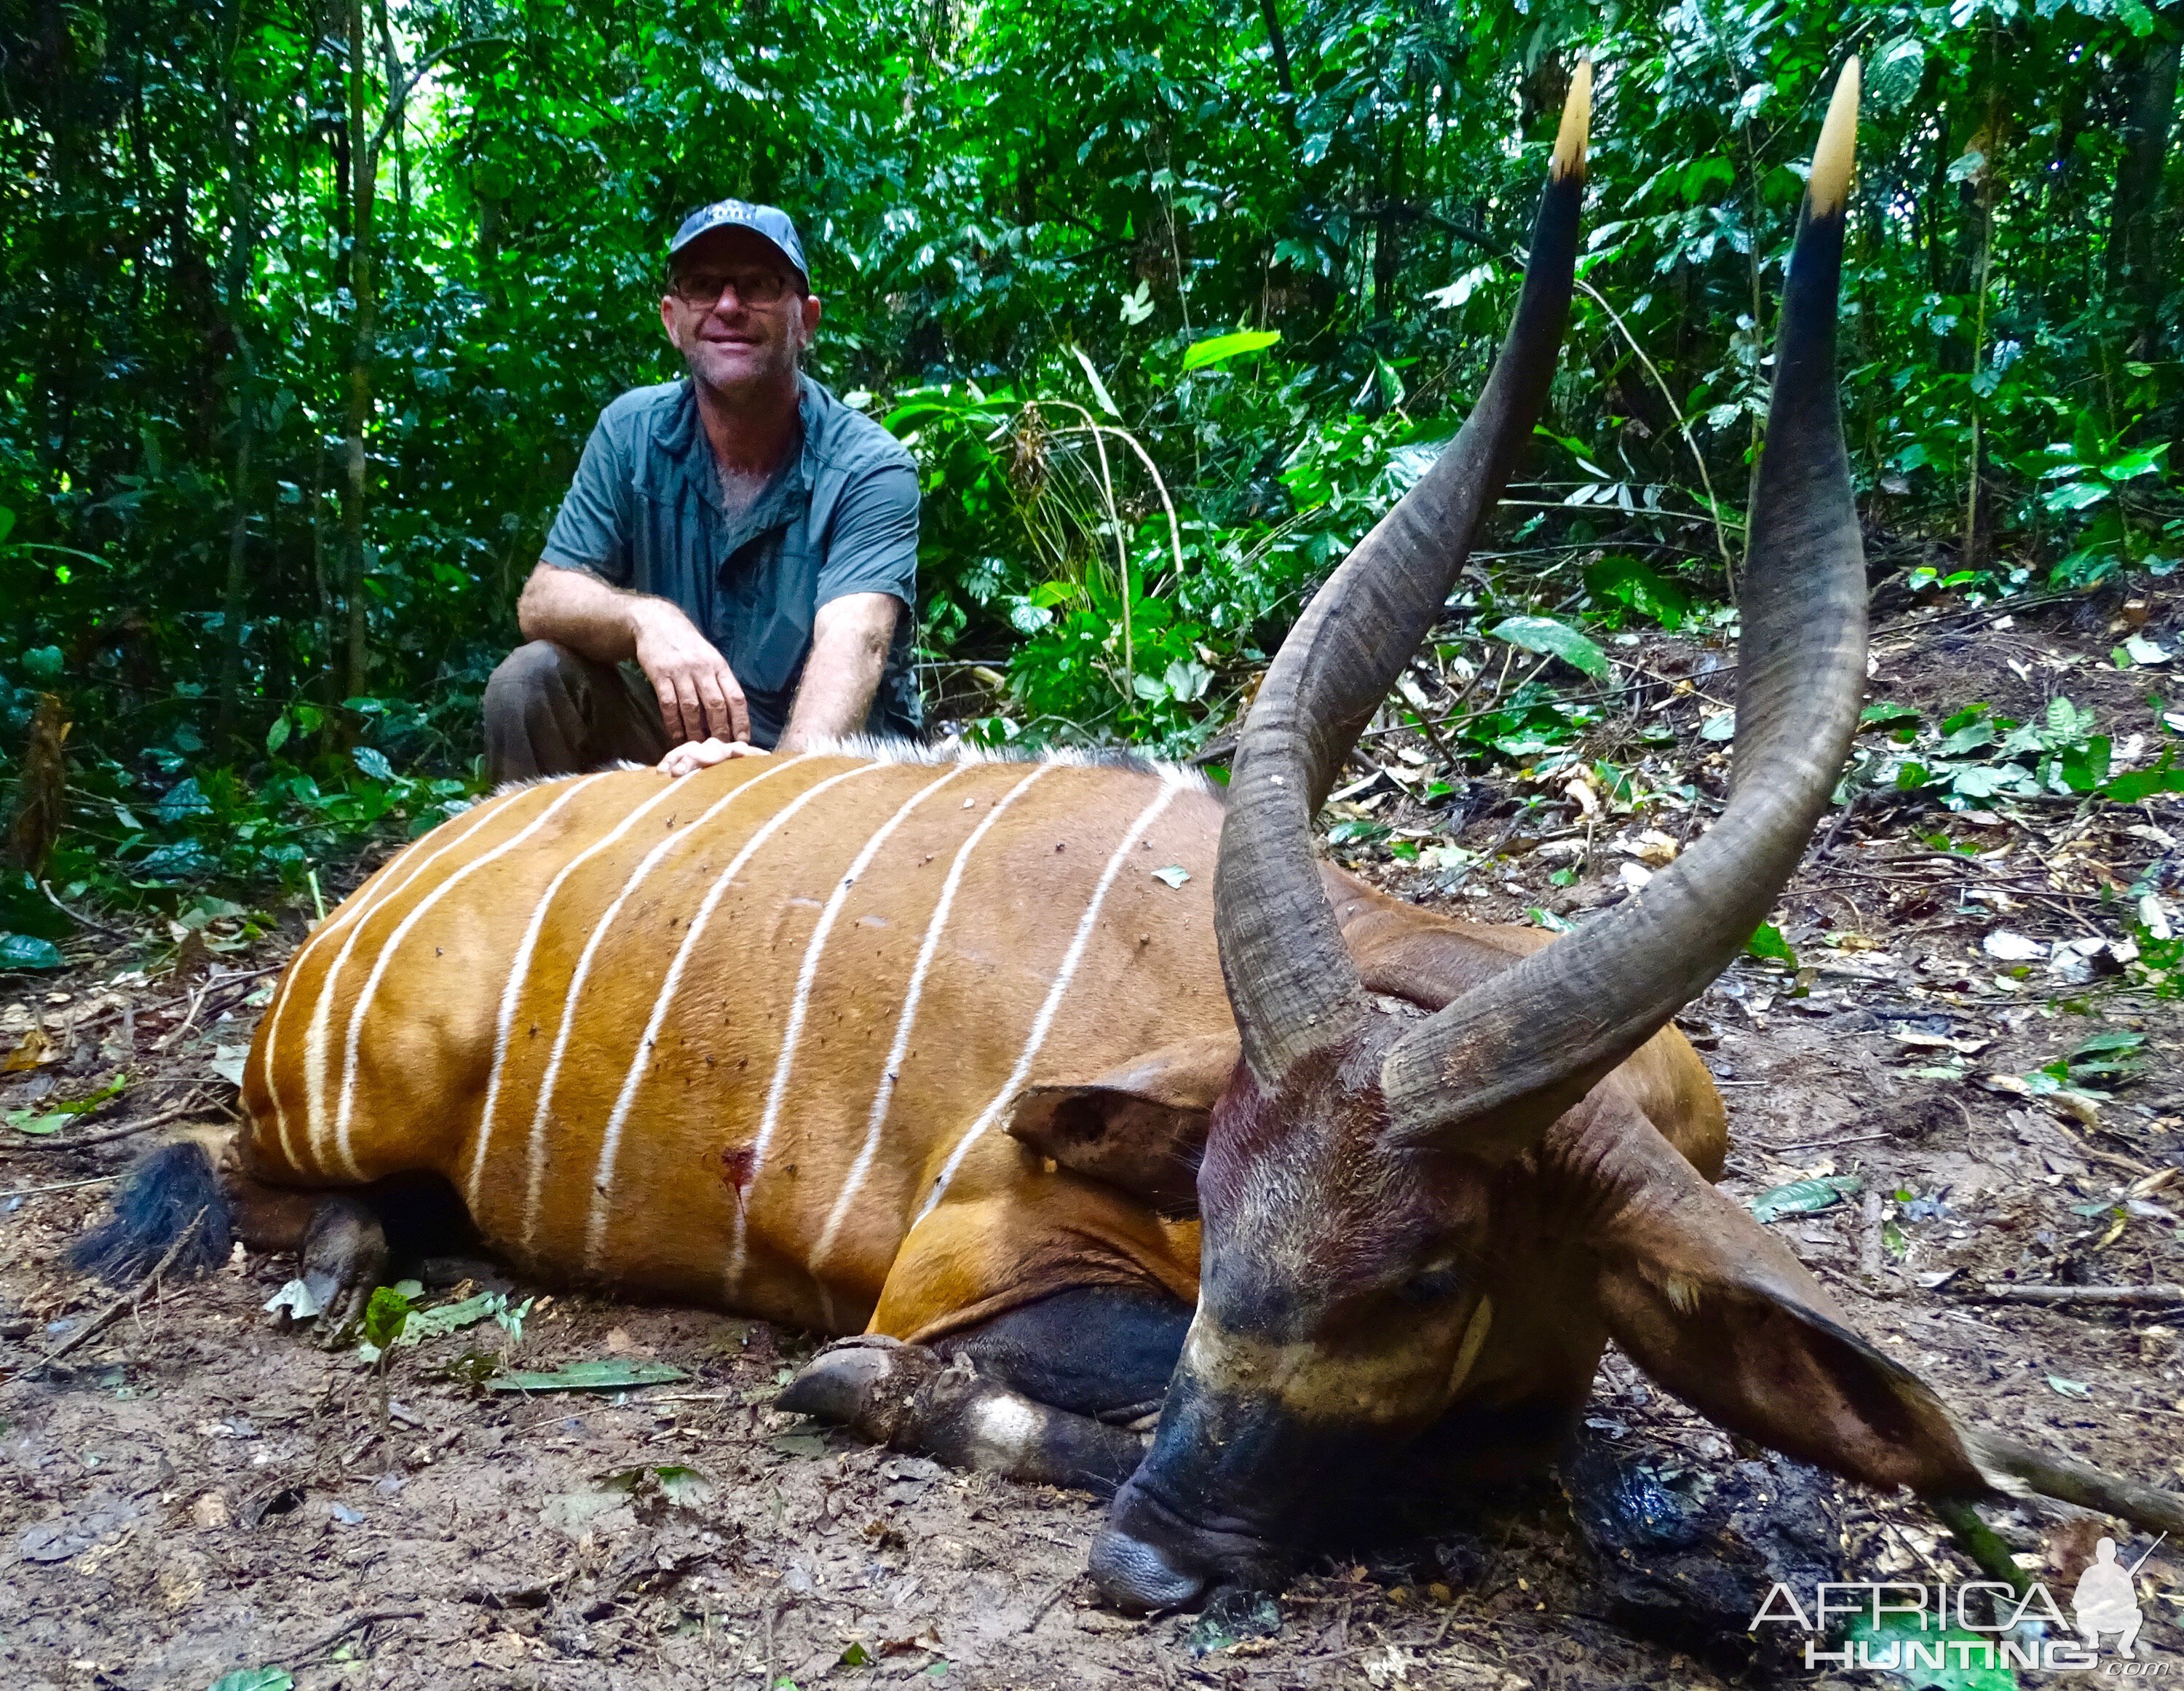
pixel 1045 1603
pixel 2129 1297
pixel 1698 457
pixel 53 898
pixel 356 1623
pixel 61 1186
pixel 189 1106
pixel 1806 1145
pixel 128 1301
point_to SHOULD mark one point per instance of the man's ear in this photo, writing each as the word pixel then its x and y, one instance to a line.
pixel 1140 1126
pixel 1700 1296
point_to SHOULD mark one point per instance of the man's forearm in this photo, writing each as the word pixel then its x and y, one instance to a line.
pixel 850 641
pixel 580 612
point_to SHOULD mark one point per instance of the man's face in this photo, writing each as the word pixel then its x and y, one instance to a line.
pixel 735 310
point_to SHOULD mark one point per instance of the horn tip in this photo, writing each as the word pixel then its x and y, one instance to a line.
pixel 1577 124
pixel 1829 186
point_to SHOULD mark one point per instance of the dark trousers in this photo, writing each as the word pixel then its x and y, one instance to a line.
pixel 548 711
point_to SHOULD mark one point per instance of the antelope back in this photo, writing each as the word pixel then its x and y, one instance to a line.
pixel 737 1037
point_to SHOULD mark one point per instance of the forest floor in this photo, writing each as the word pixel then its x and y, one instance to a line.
pixel 193 1492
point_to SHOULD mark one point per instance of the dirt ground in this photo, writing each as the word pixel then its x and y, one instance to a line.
pixel 193 1492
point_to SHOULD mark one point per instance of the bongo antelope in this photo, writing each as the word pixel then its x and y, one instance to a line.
pixel 946 1054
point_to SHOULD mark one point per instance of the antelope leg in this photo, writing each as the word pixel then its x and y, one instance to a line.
pixel 906 1396
pixel 345 1259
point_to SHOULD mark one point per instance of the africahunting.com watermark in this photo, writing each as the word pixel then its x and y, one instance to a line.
pixel 1903 1626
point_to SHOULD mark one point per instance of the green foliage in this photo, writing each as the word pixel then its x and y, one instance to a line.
pixel 1974 757
pixel 1768 945
pixel 385 1317
pixel 1167 335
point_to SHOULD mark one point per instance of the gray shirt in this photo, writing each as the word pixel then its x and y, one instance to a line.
pixel 646 512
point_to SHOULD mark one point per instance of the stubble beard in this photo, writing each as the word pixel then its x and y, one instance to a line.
pixel 774 374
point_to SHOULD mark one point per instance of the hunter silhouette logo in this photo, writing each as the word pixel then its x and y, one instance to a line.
pixel 2106 1601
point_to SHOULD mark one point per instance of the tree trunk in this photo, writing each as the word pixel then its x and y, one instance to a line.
pixel 363 191
pixel 2134 277
pixel 1282 76
pixel 242 237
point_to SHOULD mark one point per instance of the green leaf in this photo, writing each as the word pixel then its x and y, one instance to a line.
pixel 44 663
pixel 2145 461
pixel 1645 590
pixel 2086 767
pixel 1173 875
pixel 1804 1197
pixel 385 1317
pixel 184 800
pixel 856 1656
pixel 424 1324
pixel 277 735
pixel 373 762
pixel 7 522
pixel 1768 944
pixel 1550 639
pixel 1357 830
pixel 27 951
pixel 1882 712
pixel 2074 495
pixel 591 1376
pixel 255 1679
pixel 1092 375
pixel 1220 348
pixel 1899 67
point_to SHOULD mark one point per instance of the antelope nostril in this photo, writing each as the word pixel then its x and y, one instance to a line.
pixel 1137 1575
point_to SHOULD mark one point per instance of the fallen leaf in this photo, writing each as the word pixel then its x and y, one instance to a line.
pixel 1173 875
pixel 590 1377
pixel 1803 1197
pixel 2012 948
pixel 227 1062
pixel 2069 1388
pixel 297 1299
pixel 34 1049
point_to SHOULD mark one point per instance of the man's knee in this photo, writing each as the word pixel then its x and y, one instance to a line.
pixel 538 669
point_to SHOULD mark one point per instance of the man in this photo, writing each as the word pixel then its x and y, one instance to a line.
pixel 744 539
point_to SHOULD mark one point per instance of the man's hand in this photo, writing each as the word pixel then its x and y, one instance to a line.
pixel 700 700
pixel 704 753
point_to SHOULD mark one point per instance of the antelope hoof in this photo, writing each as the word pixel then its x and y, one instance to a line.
pixel 869 1384
pixel 345 1260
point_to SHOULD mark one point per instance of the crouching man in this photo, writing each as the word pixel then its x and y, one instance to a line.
pixel 735 567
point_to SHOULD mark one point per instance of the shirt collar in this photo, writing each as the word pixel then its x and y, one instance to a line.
pixel 683 440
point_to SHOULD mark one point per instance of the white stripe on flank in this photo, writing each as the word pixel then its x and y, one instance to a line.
pixel 801 1003
pixel 908 1019
pixel 315 1033
pixel 537 1174
pixel 1044 1019
pixel 520 970
pixel 595 1231
pixel 393 942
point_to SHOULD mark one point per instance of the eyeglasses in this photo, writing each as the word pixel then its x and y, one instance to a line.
pixel 702 291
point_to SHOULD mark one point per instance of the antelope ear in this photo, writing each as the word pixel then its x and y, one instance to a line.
pixel 1140 1126
pixel 1702 1297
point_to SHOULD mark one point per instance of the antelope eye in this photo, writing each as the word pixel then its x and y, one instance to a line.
pixel 1434 1285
